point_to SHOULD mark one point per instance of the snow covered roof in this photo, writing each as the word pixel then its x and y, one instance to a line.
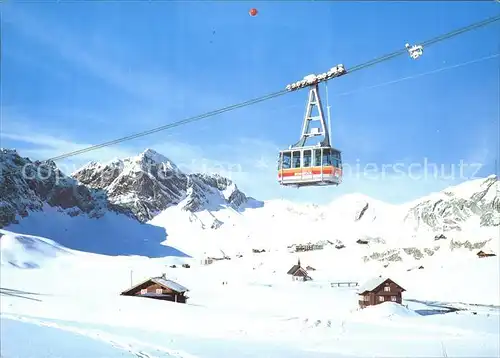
pixel 174 286
pixel 297 270
pixel 293 269
pixel 169 284
pixel 372 284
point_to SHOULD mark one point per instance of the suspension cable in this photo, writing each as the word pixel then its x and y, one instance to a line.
pixel 171 125
pixel 328 114
pixel 417 75
pixel 427 43
pixel 275 94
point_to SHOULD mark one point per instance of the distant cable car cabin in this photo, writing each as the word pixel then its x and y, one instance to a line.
pixel 317 164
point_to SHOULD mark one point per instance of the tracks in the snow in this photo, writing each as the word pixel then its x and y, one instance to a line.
pixel 131 345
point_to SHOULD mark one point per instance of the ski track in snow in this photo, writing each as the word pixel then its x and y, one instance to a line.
pixel 129 344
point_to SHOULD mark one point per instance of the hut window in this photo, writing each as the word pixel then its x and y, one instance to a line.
pixel 387 288
pixel 381 298
pixel 159 290
pixel 393 298
pixel 143 291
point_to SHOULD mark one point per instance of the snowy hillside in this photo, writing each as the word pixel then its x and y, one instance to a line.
pixel 356 224
pixel 110 234
pixel 28 251
pixel 260 312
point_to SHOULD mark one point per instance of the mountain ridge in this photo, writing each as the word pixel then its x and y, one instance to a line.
pixel 151 189
pixel 139 187
pixel 150 183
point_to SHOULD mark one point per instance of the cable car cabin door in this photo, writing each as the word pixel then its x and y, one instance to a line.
pixel 301 166
pixel 307 170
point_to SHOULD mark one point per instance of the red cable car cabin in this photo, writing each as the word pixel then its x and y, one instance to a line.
pixel 310 166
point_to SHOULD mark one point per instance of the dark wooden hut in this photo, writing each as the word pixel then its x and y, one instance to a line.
pixel 379 290
pixel 159 288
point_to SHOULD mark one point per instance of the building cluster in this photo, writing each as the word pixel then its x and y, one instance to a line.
pixel 309 246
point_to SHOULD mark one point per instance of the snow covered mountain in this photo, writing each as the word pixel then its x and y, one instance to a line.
pixel 201 213
pixel 150 183
pixel 27 186
pixel 106 212
pixel 476 200
pixel 139 187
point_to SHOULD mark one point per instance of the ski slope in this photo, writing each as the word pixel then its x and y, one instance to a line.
pixel 260 312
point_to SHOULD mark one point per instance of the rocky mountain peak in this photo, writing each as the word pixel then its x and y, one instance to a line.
pixel 451 208
pixel 140 186
pixel 150 183
pixel 29 186
pixel 152 156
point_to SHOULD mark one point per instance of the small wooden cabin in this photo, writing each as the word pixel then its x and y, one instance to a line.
pixel 485 253
pixel 379 290
pixel 159 288
pixel 298 273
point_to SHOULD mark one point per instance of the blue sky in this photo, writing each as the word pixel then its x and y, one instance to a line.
pixel 76 74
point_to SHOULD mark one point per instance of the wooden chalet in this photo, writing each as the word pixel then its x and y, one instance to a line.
pixel 485 253
pixel 379 290
pixel 298 273
pixel 159 288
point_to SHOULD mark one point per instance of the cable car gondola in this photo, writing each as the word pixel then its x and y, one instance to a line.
pixel 312 165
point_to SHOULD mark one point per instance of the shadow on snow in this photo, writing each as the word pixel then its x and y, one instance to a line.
pixel 112 234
